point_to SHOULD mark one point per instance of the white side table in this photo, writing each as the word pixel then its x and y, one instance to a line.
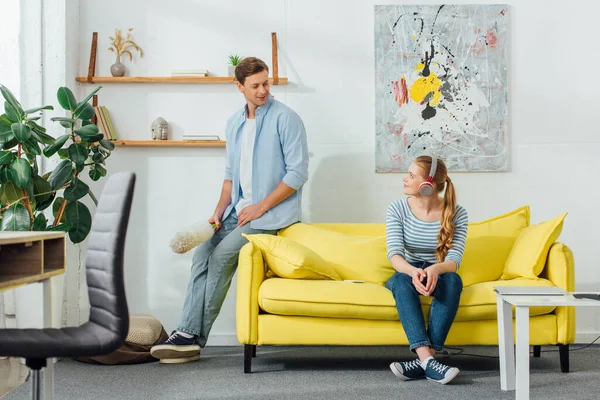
pixel 511 378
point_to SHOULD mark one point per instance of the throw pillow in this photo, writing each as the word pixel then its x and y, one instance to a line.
pixel 528 255
pixel 488 245
pixel 288 259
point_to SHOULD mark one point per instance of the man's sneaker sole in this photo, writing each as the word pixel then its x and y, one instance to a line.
pixel 170 351
pixel 451 375
pixel 180 360
pixel 400 375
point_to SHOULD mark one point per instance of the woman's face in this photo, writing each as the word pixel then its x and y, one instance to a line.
pixel 413 179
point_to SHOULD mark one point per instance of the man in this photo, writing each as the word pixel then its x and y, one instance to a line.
pixel 267 164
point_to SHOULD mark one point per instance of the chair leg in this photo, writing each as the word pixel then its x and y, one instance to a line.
pixel 35 365
pixel 253 351
pixel 248 358
pixel 537 351
pixel 563 349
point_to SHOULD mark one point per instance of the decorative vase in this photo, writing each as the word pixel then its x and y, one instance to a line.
pixel 117 69
pixel 231 70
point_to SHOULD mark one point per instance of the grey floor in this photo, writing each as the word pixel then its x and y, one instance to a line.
pixel 319 373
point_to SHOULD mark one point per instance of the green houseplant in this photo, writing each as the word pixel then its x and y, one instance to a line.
pixel 234 60
pixel 25 195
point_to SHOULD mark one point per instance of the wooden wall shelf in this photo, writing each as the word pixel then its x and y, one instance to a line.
pixel 169 143
pixel 169 79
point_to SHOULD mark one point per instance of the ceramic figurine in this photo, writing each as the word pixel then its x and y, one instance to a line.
pixel 160 129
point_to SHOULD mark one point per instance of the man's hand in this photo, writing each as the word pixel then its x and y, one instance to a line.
pixel 432 278
pixel 417 279
pixel 215 221
pixel 250 213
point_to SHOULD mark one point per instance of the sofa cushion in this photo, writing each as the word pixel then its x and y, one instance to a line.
pixel 530 251
pixel 288 259
pixel 352 257
pixel 488 245
pixel 338 299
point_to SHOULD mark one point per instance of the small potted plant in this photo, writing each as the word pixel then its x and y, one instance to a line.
pixel 234 60
pixel 120 46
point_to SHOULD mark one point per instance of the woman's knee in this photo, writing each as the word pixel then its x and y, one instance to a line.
pixel 453 281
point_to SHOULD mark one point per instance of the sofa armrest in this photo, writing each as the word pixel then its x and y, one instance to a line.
pixel 560 270
pixel 250 275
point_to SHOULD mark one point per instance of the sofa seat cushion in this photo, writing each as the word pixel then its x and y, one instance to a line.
pixel 338 299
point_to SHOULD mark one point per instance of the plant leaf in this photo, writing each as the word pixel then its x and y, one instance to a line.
pixel 9 193
pixel 39 223
pixel 95 174
pixel 32 118
pixel 94 199
pixel 21 172
pixel 40 185
pixel 21 132
pixel 5 176
pixel 76 190
pixel 60 141
pixel 66 98
pixel 34 110
pixel 85 111
pixel 32 147
pixel 66 124
pixel 16 218
pixel 87 131
pixel 44 138
pixel 89 96
pixel 62 227
pixel 10 98
pixel 61 174
pixel 12 112
pixel 6 157
pixel 107 144
pixel 78 154
pixel 79 215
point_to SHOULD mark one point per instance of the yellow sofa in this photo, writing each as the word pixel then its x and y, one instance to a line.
pixel 272 310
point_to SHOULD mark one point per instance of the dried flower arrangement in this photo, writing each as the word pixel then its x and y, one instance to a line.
pixel 120 45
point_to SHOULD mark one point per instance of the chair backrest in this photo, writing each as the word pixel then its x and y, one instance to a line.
pixel 104 260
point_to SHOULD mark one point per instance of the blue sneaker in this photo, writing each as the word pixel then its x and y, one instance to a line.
pixel 440 373
pixel 408 370
pixel 177 349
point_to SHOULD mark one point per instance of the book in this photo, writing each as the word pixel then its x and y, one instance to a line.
pixel 109 123
pixel 189 72
pixel 200 137
pixel 101 123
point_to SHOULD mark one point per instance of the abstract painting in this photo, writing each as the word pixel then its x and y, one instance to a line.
pixel 441 86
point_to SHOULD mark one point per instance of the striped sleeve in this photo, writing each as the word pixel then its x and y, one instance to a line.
pixel 394 231
pixel 461 223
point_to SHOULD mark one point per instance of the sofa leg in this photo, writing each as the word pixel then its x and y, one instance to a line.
pixel 563 349
pixel 248 358
pixel 537 351
pixel 253 351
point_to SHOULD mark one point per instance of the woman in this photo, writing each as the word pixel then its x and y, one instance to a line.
pixel 426 236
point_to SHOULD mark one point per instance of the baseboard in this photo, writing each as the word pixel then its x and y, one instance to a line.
pixel 224 339
pixel 587 337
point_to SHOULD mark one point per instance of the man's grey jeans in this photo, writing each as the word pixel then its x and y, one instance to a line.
pixel 213 265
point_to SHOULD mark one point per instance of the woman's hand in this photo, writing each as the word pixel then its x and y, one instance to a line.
pixel 418 275
pixel 432 274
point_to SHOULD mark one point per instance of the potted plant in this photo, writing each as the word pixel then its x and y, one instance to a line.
pixel 26 193
pixel 120 46
pixel 234 60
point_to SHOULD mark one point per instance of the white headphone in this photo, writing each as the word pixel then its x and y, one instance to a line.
pixel 426 188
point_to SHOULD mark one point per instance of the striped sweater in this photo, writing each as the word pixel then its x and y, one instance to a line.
pixel 416 240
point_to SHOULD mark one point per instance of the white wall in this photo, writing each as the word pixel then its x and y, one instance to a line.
pixel 326 50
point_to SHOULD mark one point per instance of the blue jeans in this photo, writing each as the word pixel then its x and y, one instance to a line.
pixel 446 297
pixel 213 265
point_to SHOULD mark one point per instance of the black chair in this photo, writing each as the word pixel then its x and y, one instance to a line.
pixel 108 325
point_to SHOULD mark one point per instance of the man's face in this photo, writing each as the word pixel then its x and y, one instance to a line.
pixel 256 88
